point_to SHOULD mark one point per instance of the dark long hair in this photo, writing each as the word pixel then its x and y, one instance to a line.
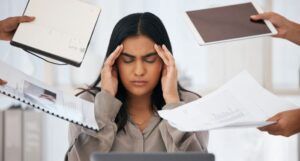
pixel 146 24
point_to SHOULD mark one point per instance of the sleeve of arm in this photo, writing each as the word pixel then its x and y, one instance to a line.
pixel 176 140
pixel 106 109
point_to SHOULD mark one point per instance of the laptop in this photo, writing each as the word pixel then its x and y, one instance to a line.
pixel 227 23
pixel 160 156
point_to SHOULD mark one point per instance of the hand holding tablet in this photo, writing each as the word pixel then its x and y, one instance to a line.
pixel 228 23
pixel 286 29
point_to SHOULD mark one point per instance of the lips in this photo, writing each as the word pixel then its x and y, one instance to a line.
pixel 139 82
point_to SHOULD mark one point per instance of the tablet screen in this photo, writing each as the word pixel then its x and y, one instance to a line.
pixel 229 22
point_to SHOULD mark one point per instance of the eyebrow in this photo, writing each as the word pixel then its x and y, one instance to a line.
pixel 145 56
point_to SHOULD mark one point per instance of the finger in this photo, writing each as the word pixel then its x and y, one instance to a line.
pixel 2 82
pixel 22 19
pixel 13 22
pixel 113 56
pixel 268 128
pixel 168 55
pixel 275 118
pixel 117 54
pixel 274 133
pixel 262 16
pixel 276 129
pixel 161 54
pixel 277 36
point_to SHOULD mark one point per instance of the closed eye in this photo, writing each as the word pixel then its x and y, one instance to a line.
pixel 150 58
pixel 127 58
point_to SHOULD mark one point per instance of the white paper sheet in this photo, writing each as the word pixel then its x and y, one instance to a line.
pixel 241 102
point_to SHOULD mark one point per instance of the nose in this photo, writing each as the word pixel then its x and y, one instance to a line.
pixel 139 69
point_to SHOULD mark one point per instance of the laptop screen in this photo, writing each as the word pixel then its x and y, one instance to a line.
pixel 160 156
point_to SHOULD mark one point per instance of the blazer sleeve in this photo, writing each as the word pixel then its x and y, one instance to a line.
pixel 176 140
pixel 81 139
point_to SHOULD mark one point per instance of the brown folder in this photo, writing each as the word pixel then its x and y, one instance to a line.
pixel 227 23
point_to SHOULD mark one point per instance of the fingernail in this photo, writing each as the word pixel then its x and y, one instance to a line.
pixel 253 16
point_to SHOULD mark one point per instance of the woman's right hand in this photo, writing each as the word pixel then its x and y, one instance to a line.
pixel 2 82
pixel 109 75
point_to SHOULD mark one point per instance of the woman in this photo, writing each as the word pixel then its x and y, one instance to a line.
pixel 138 78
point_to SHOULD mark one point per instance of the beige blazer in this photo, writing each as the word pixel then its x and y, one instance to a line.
pixel 158 136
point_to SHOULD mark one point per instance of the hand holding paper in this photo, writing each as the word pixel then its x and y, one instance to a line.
pixel 287 123
pixel 241 102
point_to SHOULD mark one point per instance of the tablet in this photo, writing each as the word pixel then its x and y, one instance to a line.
pixel 62 29
pixel 228 23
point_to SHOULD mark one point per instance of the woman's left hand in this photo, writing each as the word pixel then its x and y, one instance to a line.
pixel 169 75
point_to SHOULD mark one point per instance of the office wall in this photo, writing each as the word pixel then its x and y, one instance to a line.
pixel 286 55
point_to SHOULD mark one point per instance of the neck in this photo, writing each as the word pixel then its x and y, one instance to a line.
pixel 139 105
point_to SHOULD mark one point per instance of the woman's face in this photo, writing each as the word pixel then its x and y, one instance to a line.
pixel 139 66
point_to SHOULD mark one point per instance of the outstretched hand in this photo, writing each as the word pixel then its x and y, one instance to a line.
pixel 286 29
pixel 8 26
pixel 2 82
pixel 287 123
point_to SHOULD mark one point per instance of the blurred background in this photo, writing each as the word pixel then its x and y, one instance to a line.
pixel 275 63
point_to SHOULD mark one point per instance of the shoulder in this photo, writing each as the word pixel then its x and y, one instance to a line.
pixel 188 96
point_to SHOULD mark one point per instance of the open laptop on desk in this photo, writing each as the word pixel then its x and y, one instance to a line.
pixel 191 156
